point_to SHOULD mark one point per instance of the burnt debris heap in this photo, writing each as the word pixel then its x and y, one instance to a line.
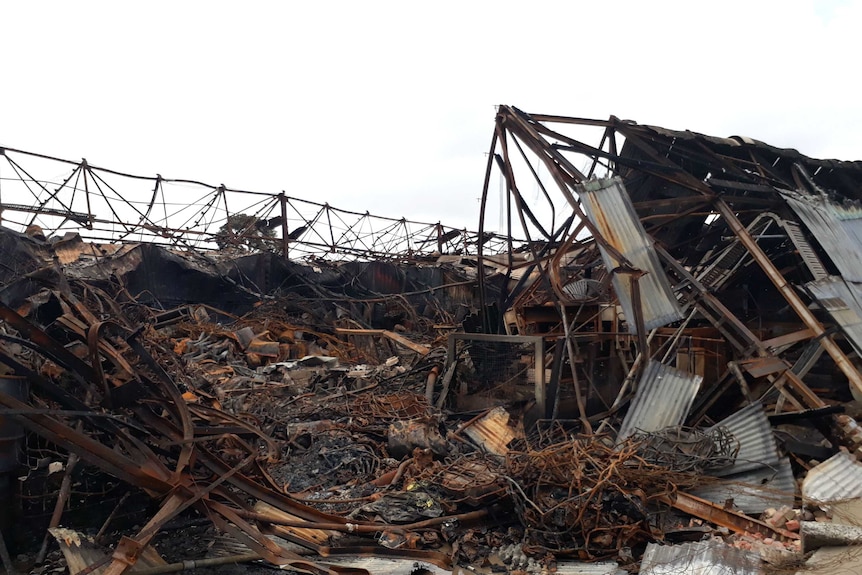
pixel 652 368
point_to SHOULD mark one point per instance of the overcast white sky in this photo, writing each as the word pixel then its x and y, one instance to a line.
pixel 389 106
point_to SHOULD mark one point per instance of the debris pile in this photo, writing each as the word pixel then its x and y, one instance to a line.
pixel 638 386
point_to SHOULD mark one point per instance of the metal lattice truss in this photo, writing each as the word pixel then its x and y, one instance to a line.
pixel 55 196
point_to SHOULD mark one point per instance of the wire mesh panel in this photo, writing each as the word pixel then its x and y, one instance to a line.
pixel 497 367
pixel 94 494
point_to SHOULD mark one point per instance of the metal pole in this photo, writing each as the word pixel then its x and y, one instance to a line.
pixel 282 199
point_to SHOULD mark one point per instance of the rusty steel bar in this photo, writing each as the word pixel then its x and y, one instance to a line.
pixel 733 520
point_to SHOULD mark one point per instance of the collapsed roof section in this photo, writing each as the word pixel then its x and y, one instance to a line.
pixel 670 240
pixel 714 273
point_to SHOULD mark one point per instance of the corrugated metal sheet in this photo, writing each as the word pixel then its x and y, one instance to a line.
pixel 843 301
pixel 757 447
pixel 837 227
pixel 759 478
pixel 493 431
pixel 710 557
pixel 663 398
pixel 756 490
pixel 584 290
pixel 839 477
pixel 609 208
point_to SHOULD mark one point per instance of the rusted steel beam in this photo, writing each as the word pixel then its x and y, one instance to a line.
pixel 733 520
pixel 228 520
pixel 788 339
pixel 181 498
pixel 178 404
pixel 240 481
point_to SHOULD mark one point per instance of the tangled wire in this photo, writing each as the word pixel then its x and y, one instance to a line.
pixel 587 496
pixel 689 450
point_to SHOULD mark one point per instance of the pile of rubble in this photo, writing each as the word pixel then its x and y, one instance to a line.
pixel 652 397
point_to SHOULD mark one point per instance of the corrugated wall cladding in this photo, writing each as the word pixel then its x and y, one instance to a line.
pixel 843 301
pixel 609 208
pixel 839 477
pixel 757 448
pixel 756 490
pixel 663 398
pixel 838 228
pixel 711 557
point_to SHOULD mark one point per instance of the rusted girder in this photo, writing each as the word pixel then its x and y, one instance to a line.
pixel 738 522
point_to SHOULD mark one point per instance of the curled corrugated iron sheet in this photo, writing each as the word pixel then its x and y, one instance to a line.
pixel 839 477
pixel 609 208
pixel 663 398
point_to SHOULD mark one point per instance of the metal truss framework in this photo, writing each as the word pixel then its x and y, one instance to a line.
pixel 105 205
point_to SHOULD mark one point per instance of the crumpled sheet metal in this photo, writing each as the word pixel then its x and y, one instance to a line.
pixel 757 447
pixel 755 490
pixel 493 431
pixel 759 478
pixel 608 206
pixel 711 557
pixel 663 399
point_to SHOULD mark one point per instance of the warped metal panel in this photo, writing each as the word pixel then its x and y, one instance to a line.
pixel 663 398
pixel 756 490
pixel 609 208
pixel 757 447
pixel 843 301
pixel 837 227
pixel 759 478
pixel 839 477
pixel 709 557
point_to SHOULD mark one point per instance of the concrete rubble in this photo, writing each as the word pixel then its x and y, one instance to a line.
pixel 656 372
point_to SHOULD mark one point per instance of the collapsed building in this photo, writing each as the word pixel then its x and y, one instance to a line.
pixel 653 368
